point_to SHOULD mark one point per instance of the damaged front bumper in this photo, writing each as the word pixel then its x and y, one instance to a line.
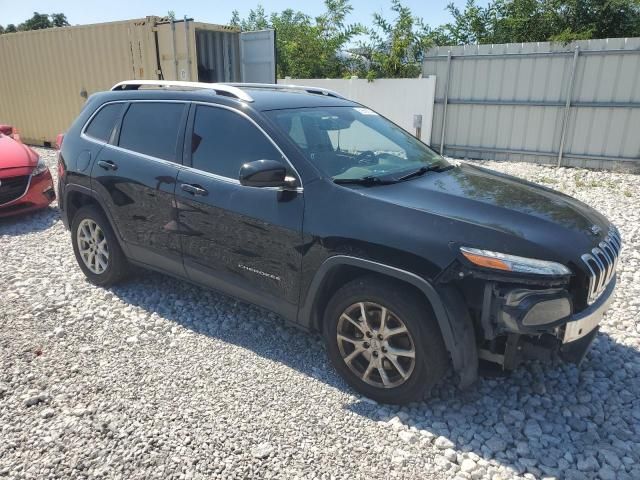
pixel 538 325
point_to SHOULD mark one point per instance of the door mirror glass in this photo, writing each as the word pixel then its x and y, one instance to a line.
pixel 263 173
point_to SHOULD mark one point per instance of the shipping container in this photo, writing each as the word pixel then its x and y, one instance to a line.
pixel 46 75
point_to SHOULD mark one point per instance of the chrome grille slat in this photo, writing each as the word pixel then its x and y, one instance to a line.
pixel 602 262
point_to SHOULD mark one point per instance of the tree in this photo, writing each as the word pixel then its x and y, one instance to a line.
pixel 59 20
pixel 395 49
pixel 39 21
pixel 306 47
pixel 508 21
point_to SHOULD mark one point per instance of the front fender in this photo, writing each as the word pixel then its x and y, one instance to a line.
pixel 454 320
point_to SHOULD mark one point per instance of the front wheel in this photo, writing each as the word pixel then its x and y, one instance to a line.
pixel 384 341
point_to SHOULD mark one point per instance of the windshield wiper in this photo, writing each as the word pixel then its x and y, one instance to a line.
pixel 368 180
pixel 421 171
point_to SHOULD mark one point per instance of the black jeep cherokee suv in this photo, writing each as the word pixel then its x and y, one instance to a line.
pixel 319 209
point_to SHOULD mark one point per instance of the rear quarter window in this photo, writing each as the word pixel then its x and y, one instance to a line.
pixel 102 123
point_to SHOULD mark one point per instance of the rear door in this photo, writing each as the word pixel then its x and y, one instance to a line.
pixel 135 175
pixel 245 241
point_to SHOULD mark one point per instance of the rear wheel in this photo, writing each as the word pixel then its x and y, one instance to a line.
pixel 384 340
pixel 96 247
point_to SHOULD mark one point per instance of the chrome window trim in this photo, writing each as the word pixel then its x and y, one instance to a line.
pixel 214 176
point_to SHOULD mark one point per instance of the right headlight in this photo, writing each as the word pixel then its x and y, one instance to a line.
pixel 512 263
pixel 41 167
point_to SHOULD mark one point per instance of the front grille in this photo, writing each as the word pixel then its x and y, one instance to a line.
pixel 12 188
pixel 602 262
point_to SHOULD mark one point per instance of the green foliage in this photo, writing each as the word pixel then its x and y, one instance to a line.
pixel 328 47
pixel 306 47
pixel 59 20
pixel 509 21
pixel 38 21
pixel 395 49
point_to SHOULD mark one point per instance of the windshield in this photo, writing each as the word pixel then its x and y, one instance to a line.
pixel 355 143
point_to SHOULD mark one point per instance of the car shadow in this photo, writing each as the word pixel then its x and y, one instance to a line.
pixel 545 419
pixel 30 222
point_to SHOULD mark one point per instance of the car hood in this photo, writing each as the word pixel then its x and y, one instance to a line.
pixel 500 202
pixel 15 155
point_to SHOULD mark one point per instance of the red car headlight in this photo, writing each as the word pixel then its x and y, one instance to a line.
pixel 41 167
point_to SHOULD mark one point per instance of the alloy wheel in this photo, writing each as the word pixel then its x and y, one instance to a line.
pixel 92 245
pixel 376 345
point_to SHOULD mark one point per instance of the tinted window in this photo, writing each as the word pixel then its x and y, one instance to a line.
pixel 224 140
pixel 103 122
pixel 152 129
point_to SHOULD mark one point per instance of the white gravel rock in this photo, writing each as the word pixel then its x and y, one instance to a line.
pixel 47 413
pixel 468 465
pixel 443 443
pixel 408 437
pixel 263 450
pixel 215 388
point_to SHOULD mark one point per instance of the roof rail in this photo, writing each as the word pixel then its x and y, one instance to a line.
pixel 219 88
pixel 280 86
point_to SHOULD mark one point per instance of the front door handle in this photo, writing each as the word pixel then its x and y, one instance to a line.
pixel 108 165
pixel 193 189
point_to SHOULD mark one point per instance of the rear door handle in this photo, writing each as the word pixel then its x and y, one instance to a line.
pixel 108 165
pixel 193 189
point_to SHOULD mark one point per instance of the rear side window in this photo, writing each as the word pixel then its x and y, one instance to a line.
pixel 223 141
pixel 103 122
pixel 152 129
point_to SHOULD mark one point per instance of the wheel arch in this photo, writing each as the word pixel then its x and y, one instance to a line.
pixel 77 196
pixel 446 303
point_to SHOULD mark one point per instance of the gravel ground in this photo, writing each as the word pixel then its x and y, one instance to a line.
pixel 156 378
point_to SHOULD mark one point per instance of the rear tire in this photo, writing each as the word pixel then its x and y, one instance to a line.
pixel 384 340
pixel 96 247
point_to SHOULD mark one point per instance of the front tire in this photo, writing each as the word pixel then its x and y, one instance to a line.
pixel 384 340
pixel 96 247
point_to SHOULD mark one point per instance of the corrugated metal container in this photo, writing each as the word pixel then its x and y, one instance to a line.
pixel 577 104
pixel 45 75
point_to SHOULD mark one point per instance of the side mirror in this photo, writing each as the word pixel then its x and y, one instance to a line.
pixel 263 173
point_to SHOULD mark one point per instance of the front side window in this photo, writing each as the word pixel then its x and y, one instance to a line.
pixel 223 141
pixel 103 122
pixel 152 129
pixel 348 143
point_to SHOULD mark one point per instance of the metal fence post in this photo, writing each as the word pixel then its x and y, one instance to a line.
pixel 446 99
pixel 567 106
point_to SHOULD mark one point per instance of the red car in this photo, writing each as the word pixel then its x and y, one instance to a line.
pixel 25 179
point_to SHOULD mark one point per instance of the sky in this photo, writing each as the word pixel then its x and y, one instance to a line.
pixel 212 11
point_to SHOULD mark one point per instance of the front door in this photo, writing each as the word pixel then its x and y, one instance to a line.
pixel 135 174
pixel 245 241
